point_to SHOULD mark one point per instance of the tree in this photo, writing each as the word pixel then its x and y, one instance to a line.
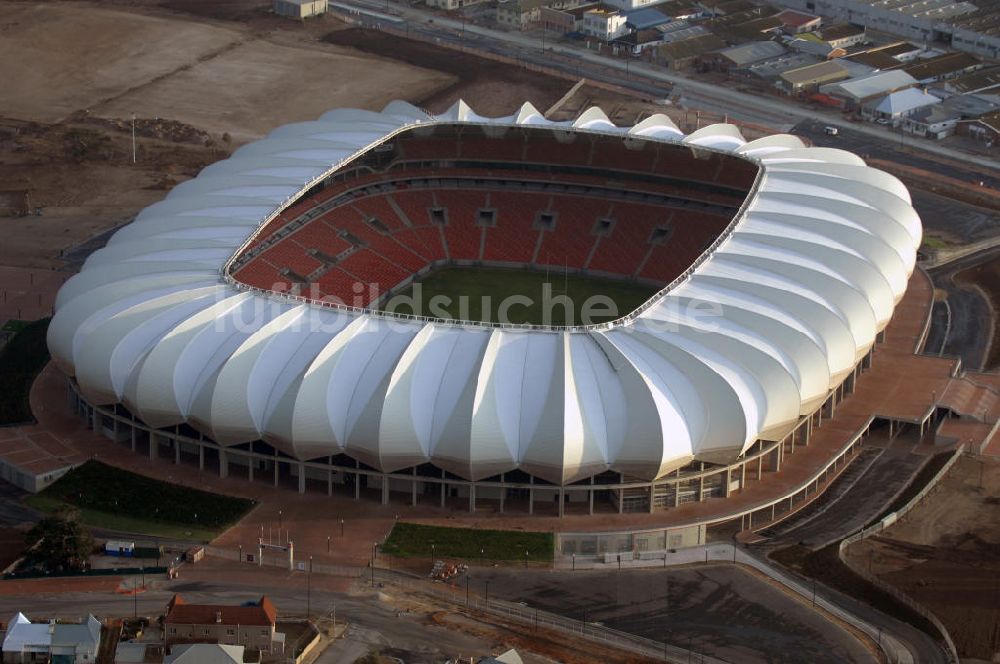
pixel 59 543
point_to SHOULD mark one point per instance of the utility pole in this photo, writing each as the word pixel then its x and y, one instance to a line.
pixel 309 588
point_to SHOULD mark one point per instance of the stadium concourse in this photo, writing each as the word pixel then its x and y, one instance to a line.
pixel 900 385
pixel 213 330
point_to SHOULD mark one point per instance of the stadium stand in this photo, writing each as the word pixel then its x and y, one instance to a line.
pixel 429 200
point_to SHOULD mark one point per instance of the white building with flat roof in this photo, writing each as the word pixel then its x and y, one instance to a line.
pixel 300 8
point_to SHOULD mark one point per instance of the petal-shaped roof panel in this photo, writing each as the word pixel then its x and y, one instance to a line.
pixel 755 333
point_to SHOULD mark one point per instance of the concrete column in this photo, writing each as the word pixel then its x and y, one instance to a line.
pixel 357 486
pixel 562 502
pixel 651 490
pixel 503 493
pixel 201 455
pixel 329 481
pixel 154 444
pixel 302 477
pixel 223 464
pixel 760 466
pixel 114 428
pixel 590 509
pixel 677 489
pixel 277 468
pixel 96 420
pixel 444 489
pixel 133 435
pixel 743 475
pixel 472 497
pixel 772 511
pixel 727 476
pixel 385 489
pixel 413 488
pixel 177 452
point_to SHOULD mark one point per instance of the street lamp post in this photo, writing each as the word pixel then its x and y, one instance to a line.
pixel 309 588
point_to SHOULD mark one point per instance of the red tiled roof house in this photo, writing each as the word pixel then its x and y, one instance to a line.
pixel 250 625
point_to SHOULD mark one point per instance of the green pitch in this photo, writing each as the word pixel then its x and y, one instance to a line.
pixel 519 296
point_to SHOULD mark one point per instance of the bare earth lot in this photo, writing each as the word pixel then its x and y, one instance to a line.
pixel 720 610
pixel 946 555
pixel 81 56
pixel 258 85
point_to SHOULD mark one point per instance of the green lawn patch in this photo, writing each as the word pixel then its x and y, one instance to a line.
pixel 480 294
pixel 21 359
pixel 119 500
pixel 934 243
pixel 411 540
pixel 14 325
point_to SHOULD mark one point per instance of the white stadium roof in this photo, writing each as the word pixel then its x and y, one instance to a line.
pixel 807 275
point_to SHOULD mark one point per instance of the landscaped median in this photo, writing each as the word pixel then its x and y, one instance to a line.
pixel 413 540
pixel 108 497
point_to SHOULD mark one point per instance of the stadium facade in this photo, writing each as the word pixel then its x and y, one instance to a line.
pixel 215 324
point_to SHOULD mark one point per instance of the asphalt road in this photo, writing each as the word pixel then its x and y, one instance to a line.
pixel 961 324
pixel 374 625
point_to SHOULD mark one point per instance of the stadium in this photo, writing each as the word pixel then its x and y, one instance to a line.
pixel 302 309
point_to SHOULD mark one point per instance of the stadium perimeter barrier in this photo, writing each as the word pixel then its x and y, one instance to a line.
pixel 885 523
pixel 114 571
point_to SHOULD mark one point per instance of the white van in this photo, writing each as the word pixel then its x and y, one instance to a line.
pixel 831 131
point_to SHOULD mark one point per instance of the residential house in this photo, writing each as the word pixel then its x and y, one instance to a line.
pixel 932 122
pixel 565 20
pixel 808 79
pixel 71 643
pixel 813 45
pixel 249 625
pixel 843 35
pixel 208 653
pixel 738 57
pixel 299 9
pixel 606 25
pixel 686 53
pixel 898 105
pixel 856 92
pixel 796 23
pixel 979 81
pixel 875 60
pixel 769 70
pixel 942 67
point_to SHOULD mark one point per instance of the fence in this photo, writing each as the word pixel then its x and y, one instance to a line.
pixel 888 588
pixel 281 560
pixel 114 571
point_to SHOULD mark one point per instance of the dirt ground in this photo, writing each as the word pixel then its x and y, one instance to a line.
pixel 80 174
pixel 946 555
pixel 720 610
